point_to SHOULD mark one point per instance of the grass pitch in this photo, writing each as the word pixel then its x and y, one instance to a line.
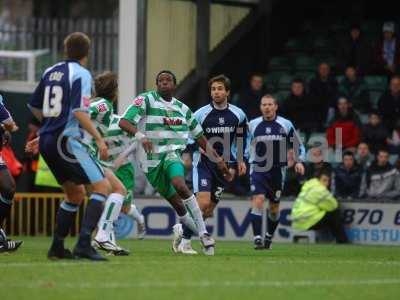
pixel 152 271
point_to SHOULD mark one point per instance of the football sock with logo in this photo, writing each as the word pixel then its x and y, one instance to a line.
pixel 256 221
pixel 272 223
pixel 109 216
pixel 91 218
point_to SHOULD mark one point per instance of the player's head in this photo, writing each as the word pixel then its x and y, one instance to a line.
pixel 268 107
pixel 166 83
pixel 324 177
pixel 76 46
pixel 106 86
pixel 220 88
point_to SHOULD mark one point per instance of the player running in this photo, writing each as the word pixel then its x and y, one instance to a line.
pixel 221 121
pixel 106 122
pixel 61 102
pixel 163 125
pixel 7 183
pixel 271 137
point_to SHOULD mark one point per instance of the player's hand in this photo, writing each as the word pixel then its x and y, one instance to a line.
pixel 12 127
pixel 147 145
pixel 232 171
pixel 221 165
pixel 299 168
pixel 103 150
pixel 242 168
pixel 32 146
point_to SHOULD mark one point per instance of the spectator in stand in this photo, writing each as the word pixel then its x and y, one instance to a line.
pixel 355 51
pixel 323 92
pixel 387 52
pixel 383 179
pixel 364 157
pixel 347 121
pixel 299 108
pixel 347 177
pixel 292 184
pixel 389 103
pixel 249 98
pixel 354 88
pixel 316 162
pixel 374 133
pixel 394 140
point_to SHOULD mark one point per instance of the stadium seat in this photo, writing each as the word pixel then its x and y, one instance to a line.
pixel 363 118
pixel 285 82
pixel 306 75
pixel 393 158
pixel 376 83
pixel 305 63
pixel 321 44
pixel 280 63
pixel 374 96
pixel 271 79
pixel 333 158
pixel 339 78
pixel 338 27
pixel 281 96
pixel 235 98
pixel 299 236
pixel 297 46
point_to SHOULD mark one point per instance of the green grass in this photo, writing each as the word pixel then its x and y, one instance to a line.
pixel 236 272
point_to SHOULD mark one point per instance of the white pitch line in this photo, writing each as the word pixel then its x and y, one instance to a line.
pixel 202 284
pixel 80 263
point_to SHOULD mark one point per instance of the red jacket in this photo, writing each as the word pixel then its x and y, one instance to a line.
pixel 350 133
pixel 13 164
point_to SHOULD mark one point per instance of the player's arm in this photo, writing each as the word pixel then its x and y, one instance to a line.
pixel 123 156
pixel 80 102
pixel 86 123
pixel 100 110
pixel 242 134
pixel 299 150
pixel 210 152
pixel 6 119
pixel 326 201
pixel 35 103
pixel 130 119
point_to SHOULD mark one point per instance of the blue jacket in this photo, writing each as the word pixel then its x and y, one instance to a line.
pixel 347 183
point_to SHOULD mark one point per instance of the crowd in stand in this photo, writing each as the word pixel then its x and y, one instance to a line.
pixel 369 132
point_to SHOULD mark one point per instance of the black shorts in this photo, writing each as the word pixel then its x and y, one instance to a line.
pixel 268 183
pixel 207 178
pixel 69 160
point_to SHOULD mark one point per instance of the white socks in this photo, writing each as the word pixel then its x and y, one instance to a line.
pixel 194 210
pixel 110 214
pixel 135 214
pixel 189 222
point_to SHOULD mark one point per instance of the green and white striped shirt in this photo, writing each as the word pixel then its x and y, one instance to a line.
pixel 168 125
pixel 106 122
pixel 101 111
